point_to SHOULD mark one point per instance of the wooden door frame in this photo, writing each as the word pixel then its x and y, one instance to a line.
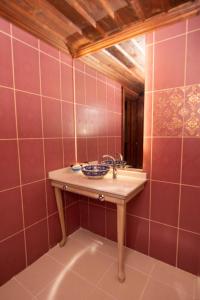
pixel 123 98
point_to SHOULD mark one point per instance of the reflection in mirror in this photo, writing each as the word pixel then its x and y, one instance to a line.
pixel 133 105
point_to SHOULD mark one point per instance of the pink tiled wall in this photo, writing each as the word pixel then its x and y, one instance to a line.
pixel 172 145
pixel 38 134
pixel 164 220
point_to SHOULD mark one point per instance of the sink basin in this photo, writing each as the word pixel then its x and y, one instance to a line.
pixel 95 171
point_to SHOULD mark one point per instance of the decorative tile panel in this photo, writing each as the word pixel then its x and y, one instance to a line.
pixel 192 111
pixel 168 112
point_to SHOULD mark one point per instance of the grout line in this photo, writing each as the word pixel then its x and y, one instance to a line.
pixel 36 94
pixel 173 136
pixel 58 138
pixel 95 285
pixel 145 287
pixel 170 38
pixel 61 109
pixel 152 128
pixel 37 222
pixel 12 235
pixel 10 189
pixel 74 111
pixel 105 292
pixel 178 35
pixel 63 62
pixel 57 99
pixel 23 286
pixel 18 147
pixel 107 270
pixel 56 213
pixel 162 181
pixel 51 280
pixel 166 137
pixel 172 88
pixel 194 290
pixel 43 145
pixel 32 182
pixel 143 218
pixel 181 166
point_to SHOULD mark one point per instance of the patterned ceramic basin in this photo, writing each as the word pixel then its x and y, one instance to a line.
pixel 95 171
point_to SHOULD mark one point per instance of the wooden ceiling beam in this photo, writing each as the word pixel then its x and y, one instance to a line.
pixel 115 63
pixel 76 13
pixel 179 13
pixel 113 14
pixel 108 71
pixel 131 59
pixel 82 12
pixel 166 5
pixel 57 5
pixel 136 44
pixel 138 9
pixel 13 13
pixel 105 4
pixel 45 6
pixel 134 75
pixel 119 70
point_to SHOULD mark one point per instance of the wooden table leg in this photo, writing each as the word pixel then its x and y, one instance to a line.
pixel 59 202
pixel 121 213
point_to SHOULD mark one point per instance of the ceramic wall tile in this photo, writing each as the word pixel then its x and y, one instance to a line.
pixel 169 59
pixel 168 112
pixel 40 131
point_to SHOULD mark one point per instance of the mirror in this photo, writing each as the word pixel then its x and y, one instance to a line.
pixel 133 106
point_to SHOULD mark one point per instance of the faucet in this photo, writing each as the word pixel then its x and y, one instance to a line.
pixel 120 156
pixel 113 164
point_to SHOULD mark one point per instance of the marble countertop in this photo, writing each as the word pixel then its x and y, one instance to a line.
pixel 126 183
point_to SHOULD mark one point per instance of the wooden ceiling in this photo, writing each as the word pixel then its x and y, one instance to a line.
pixel 103 32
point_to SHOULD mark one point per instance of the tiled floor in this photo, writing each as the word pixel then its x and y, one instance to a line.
pixel 86 269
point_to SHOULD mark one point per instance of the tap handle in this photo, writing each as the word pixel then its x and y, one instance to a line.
pixel 109 156
pixel 120 156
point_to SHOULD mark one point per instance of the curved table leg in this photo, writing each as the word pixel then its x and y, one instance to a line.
pixel 59 202
pixel 121 213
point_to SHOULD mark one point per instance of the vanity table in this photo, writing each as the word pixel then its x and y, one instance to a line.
pixel 119 191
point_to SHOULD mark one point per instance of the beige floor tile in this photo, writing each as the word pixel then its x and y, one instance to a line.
pixel 12 290
pixel 68 286
pixel 139 261
pixel 158 291
pixel 128 290
pixel 92 265
pixel 86 236
pixel 98 294
pixel 86 269
pixel 176 278
pixel 39 274
pixel 108 247
pixel 197 288
pixel 104 245
pixel 70 252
